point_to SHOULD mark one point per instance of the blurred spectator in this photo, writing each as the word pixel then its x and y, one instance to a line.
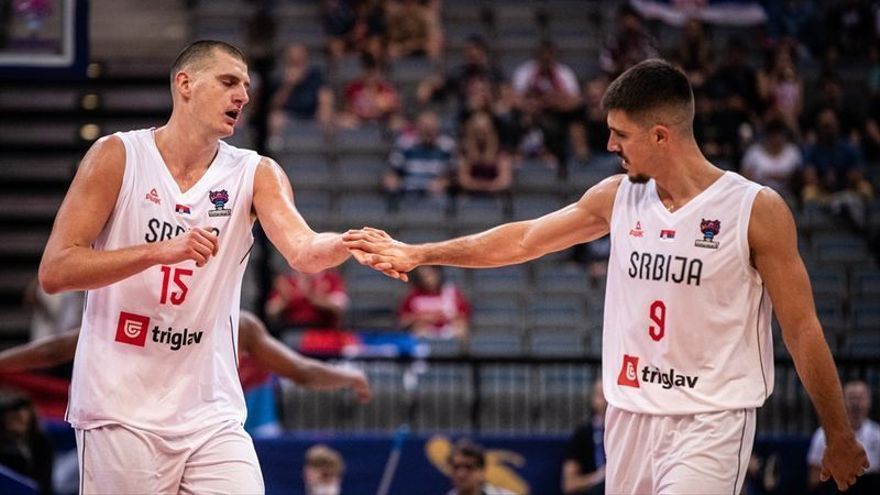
pixel 413 29
pixel 774 160
pixel 479 99
pixel 323 470
pixel 371 98
pixel 467 462
pixel 307 300
pixel 695 53
pixel 476 68
pixel 595 124
pixel 832 172
pixel 483 166
pixel 627 45
pixel 857 397
pixel 434 308
pixel 583 472
pixel 874 70
pixel 550 96
pixel 849 24
pixel 352 25
pixel 733 89
pixel 781 88
pixel 53 314
pixel 735 82
pixel 421 162
pixel 830 96
pixel 24 448
pixel 303 93
pixel 794 21
pixel 871 141
pixel 708 128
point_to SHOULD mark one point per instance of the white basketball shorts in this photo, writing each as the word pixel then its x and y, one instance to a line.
pixel 704 454
pixel 118 460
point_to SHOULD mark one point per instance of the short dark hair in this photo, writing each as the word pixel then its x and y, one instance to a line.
pixel 651 90
pixel 469 448
pixel 201 49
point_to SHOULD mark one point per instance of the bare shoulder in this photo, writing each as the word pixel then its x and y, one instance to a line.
pixel 268 166
pixel 771 222
pixel 599 199
pixel 105 156
pixel 269 175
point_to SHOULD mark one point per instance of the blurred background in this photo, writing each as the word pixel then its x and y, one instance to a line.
pixel 433 119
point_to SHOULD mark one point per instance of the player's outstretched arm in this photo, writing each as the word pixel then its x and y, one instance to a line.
pixel 69 261
pixel 43 353
pixel 310 373
pixel 508 244
pixel 773 245
pixel 303 248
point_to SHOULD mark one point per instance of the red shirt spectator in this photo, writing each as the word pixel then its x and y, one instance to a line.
pixel 308 300
pixel 435 309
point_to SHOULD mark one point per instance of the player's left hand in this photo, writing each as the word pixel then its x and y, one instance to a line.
pixel 361 387
pixel 844 460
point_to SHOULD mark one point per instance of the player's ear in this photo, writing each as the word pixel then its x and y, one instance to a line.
pixel 660 134
pixel 183 83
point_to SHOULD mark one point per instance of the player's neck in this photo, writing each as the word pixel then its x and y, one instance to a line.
pixel 685 178
pixel 184 150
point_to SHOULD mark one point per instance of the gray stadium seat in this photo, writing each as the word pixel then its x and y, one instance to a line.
pixel 496 343
pixel 506 280
pixel 366 209
pixel 530 206
pixel 556 342
pixel 361 171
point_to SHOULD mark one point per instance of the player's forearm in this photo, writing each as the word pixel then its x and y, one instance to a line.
pixel 321 376
pixel 500 246
pixel 83 268
pixel 321 251
pixel 818 373
pixel 40 354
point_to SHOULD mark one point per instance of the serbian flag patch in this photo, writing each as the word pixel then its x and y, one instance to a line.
pixel 182 209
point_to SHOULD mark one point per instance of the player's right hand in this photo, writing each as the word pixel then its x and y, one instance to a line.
pixel 197 244
pixel 375 248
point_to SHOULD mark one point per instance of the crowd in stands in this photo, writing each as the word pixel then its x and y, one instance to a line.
pixel 796 108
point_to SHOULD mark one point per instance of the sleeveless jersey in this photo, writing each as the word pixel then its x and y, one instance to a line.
pixel 158 350
pixel 687 318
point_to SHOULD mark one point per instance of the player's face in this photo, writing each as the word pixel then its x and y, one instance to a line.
pixel 220 92
pixel 631 143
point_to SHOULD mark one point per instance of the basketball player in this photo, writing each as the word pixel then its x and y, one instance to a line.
pixel 253 340
pixel 697 256
pixel 156 226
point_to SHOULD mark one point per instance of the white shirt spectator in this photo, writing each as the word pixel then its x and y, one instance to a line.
pixel 772 171
pixel 868 435
pixel 528 76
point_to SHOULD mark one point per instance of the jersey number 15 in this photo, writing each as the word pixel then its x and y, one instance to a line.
pixel 176 297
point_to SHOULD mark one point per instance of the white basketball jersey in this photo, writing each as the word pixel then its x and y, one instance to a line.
pixel 158 350
pixel 687 318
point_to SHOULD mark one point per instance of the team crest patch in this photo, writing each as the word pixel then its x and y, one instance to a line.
pixel 219 200
pixel 710 229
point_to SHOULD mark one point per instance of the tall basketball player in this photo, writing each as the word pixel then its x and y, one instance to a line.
pixel 698 254
pixel 156 226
